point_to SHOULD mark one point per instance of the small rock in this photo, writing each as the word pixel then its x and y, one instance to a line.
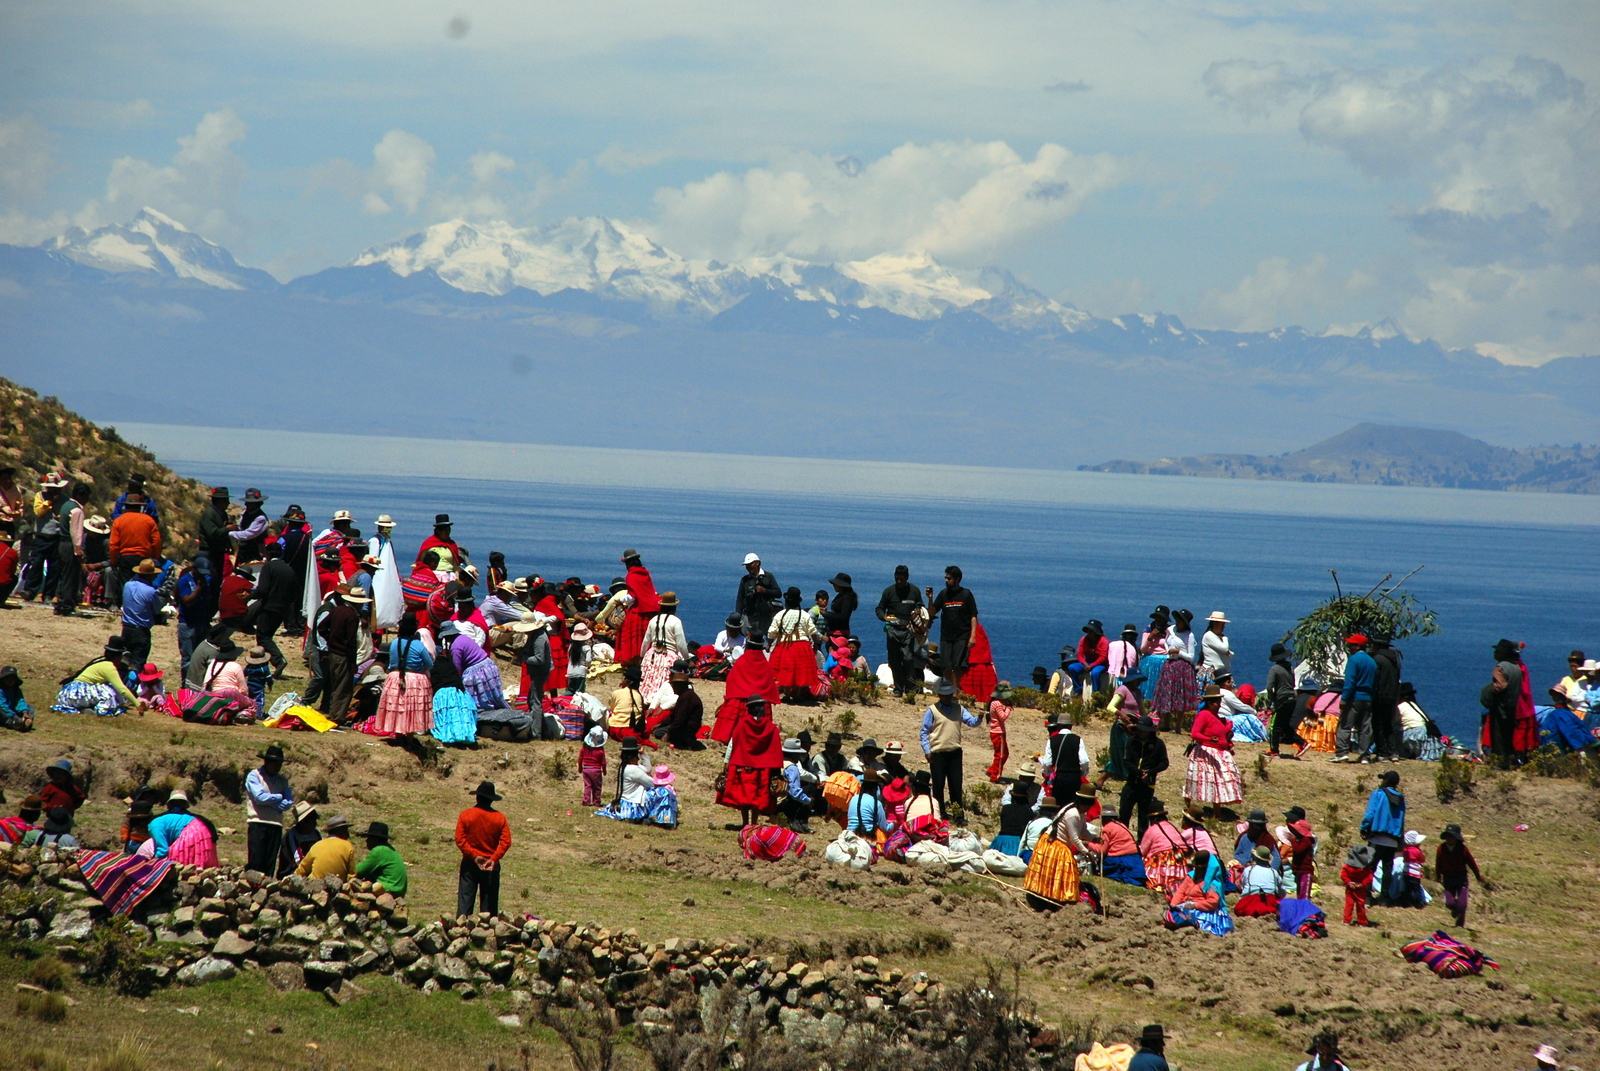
pixel 72 926
pixel 343 993
pixel 206 969
pixel 321 973
pixel 510 1022
pixel 287 977
pixel 453 969
pixel 233 946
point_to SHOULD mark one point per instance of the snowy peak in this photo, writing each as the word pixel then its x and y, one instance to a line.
pixel 155 243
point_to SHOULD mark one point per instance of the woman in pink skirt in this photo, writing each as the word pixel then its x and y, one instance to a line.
pixel 1213 775
pixel 406 703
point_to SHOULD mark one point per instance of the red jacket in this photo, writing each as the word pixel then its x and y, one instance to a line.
pixel 135 535
pixel 1302 848
pixel 1093 651
pixel 234 596
pixel 1212 730
pixel 8 563
pixel 482 834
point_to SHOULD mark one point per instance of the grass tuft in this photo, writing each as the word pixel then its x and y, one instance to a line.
pixel 44 1060
pixel 50 973
pixel 128 1054
pixel 45 1007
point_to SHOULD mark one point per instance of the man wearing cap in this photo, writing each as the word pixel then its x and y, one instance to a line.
pixel 70 553
pixel 941 741
pixel 484 837
pixel 1152 1050
pixel 382 865
pixel 1355 702
pixel 135 536
pixel 450 556
pixel 898 608
pixel 341 633
pixel 759 597
pixel 957 612
pixel 141 608
pixel 799 804
pixel 1146 759
pixel 212 531
pixel 333 854
pixel 268 798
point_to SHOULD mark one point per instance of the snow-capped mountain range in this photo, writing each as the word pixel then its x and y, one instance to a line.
pixel 601 257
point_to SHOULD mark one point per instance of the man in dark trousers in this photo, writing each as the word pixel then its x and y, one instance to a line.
pixel 1283 699
pixel 341 630
pixel 141 609
pixel 941 742
pixel 1386 698
pixel 278 591
pixel 44 568
pixel 759 596
pixel 957 612
pixel 484 837
pixel 1144 760
pixel 268 798
pixel 215 543
pixel 70 515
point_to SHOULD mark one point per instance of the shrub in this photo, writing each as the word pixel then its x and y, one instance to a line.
pixel 1033 699
pixel 50 973
pixel 846 721
pixel 555 766
pixel 117 954
pixel 861 688
pixel 1452 778
pixel 45 1007
pixel 44 1060
pixel 128 1054
pixel 1551 761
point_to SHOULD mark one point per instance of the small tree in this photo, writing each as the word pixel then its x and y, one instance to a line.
pixel 1318 637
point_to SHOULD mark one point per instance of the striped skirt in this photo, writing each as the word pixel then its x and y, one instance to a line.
pixel 77 697
pixel 482 682
pixel 410 711
pixel 1218 923
pixel 655 668
pixel 1212 777
pixel 455 717
pixel 1052 871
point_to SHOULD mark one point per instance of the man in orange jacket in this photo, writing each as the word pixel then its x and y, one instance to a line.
pixel 484 837
pixel 135 536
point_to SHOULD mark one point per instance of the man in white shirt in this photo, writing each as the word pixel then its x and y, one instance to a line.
pixel 730 642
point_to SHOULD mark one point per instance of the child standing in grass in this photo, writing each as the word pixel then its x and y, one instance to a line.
pixel 1451 862
pixel 1357 877
pixel 1302 851
pixel 999 714
pixel 258 678
pixel 592 765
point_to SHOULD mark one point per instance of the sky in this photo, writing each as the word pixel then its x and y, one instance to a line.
pixel 1239 164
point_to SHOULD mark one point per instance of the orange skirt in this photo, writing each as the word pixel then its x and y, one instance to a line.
pixel 1052 871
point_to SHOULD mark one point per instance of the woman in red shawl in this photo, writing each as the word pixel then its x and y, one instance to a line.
pixel 979 679
pixel 755 756
pixel 751 675
pixel 557 633
pixel 630 641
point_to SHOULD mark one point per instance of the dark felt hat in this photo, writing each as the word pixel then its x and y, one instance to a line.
pixel 272 753
pixel 441 519
pixel 376 831
pixel 1154 1033
pixel 734 621
pixel 841 579
pixel 485 790
pixel 1278 653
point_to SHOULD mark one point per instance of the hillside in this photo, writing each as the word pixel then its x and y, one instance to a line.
pixel 1397 456
pixel 41 435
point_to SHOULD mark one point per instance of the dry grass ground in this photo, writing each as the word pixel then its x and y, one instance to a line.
pixel 1244 1002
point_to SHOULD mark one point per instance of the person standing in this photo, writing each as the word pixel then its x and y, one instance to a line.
pixel 484 837
pixel 664 644
pixel 215 544
pixel 998 714
pixel 941 741
pixel 1283 699
pixel 1385 698
pixel 844 603
pixel 759 596
pixel 957 611
pixel 1500 696
pixel 70 555
pixel 268 798
pixel 644 605
pixel 898 608
pixel 278 591
pixel 1355 702
pixel 1216 656
pixel 43 550
pixel 1213 775
pixel 252 527
pixel 1122 655
pixel 341 633
pixel 1152 1050
pixel 1145 760
pixel 1383 825
pixel 1451 862
pixel 141 606
pixel 793 661
pixel 135 536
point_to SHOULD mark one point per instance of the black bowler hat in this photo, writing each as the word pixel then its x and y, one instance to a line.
pixel 440 519
pixel 376 831
pixel 485 790
pixel 273 753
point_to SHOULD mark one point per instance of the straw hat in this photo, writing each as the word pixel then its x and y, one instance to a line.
pixel 147 567
pixel 1218 617
pixel 530 622
pixel 97 524
pixel 385 521
pixel 257 657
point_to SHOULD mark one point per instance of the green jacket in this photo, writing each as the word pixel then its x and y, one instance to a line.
pixel 383 864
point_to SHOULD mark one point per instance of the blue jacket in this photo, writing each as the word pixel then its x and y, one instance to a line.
pixel 1386 813
pixel 1360 670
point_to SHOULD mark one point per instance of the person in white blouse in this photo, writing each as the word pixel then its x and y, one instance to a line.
pixel 664 643
pixel 1214 649
pixel 1181 639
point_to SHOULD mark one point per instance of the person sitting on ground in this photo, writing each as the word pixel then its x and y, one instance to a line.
pixel 1411 892
pixel 1120 859
pixel 61 788
pixel 13 830
pixel 797 807
pixel 865 815
pixel 1038 826
pixel 181 836
pixel 55 833
pixel 300 836
pixel 1261 885
pixel 1015 815
pixel 1197 899
pixel 15 713
pixel 633 786
pixel 333 854
pixel 382 865
pixel 136 820
pixel 661 801
pixel 1324 1053
pixel 1152 1049
pixel 99 686
pixel 258 678
pixel 1237 706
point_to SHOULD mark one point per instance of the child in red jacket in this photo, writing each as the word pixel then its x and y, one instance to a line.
pixel 592 765
pixel 1357 877
pixel 1302 851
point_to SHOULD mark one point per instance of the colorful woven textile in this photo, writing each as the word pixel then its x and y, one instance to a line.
pixel 1294 913
pixel 770 842
pixel 1447 957
pixel 122 881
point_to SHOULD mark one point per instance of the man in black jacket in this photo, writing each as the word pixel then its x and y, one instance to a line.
pixel 1145 759
pixel 896 607
pixel 759 597
pixel 215 543
pixel 957 612
pixel 1386 698
pixel 1281 696
pixel 844 603
pixel 278 591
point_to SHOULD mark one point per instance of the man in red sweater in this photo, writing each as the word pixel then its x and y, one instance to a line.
pixel 135 536
pixel 484 837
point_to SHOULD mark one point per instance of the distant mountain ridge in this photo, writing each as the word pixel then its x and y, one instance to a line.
pixel 769 356
pixel 1397 456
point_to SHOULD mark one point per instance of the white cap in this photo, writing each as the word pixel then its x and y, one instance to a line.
pixel 749 558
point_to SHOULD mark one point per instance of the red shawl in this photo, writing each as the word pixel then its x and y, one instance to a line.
pixel 757 743
pixel 980 650
pixel 752 675
pixel 643 589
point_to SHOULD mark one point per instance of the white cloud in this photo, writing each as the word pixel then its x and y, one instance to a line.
pixel 1253 88
pixel 27 160
pixel 615 160
pixel 962 201
pixel 1280 292
pixel 401 166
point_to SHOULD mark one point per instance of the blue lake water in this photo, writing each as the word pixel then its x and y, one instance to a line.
pixel 1038 572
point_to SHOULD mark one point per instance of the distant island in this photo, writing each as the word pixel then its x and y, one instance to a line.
pixel 1397 457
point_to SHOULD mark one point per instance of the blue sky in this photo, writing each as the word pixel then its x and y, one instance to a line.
pixel 1238 164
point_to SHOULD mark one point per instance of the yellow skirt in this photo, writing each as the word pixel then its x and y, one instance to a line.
pixel 1052 871
pixel 1322 735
